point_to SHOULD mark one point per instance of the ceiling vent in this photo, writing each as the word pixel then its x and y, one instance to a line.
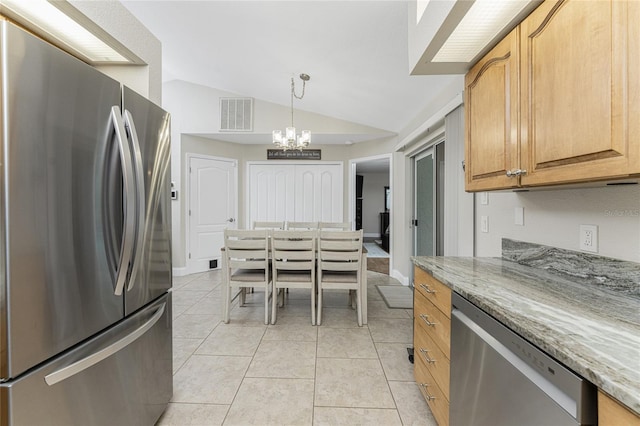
pixel 236 114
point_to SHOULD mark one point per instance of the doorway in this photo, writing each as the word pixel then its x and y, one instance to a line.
pixel 212 207
pixel 371 208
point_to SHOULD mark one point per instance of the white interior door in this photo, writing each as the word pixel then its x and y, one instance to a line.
pixel 212 208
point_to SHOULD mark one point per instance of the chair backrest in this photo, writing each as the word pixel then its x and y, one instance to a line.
pixel 293 250
pixel 345 226
pixel 302 226
pixel 268 225
pixel 340 250
pixel 246 249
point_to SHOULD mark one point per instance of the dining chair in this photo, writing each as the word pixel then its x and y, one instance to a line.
pixel 268 225
pixel 302 226
pixel 293 256
pixel 339 265
pixel 247 265
pixel 327 226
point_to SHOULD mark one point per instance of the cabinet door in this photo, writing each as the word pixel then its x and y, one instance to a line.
pixel 491 107
pixel 579 98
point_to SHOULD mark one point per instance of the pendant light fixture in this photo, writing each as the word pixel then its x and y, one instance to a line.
pixel 290 139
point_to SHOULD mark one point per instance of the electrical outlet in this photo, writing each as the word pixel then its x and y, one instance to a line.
pixel 484 198
pixel 589 238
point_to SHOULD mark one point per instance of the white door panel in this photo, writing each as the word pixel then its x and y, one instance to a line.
pixel 212 209
pixel 295 192
pixel 271 192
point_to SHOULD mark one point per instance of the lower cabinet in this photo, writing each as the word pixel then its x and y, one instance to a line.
pixel 612 413
pixel 431 343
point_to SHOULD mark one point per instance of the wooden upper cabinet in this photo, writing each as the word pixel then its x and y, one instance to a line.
pixel 491 108
pixel 580 84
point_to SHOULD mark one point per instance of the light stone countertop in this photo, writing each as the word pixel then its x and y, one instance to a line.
pixel 591 329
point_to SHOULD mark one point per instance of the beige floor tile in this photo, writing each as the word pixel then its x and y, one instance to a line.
pixel 412 407
pixel 202 284
pixel 391 330
pixel 379 309
pixel 272 402
pixel 182 350
pixel 189 298
pixel 208 379
pixel 331 416
pixel 284 359
pixel 339 317
pixel 335 299
pixel 293 329
pixel 193 415
pixel 351 383
pixel 395 361
pixel 345 343
pixel 300 308
pixel 225 340
pixel 195 326
pixel 207 306
pixel 177 310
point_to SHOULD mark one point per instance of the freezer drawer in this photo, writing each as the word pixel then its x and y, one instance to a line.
pixel 89 385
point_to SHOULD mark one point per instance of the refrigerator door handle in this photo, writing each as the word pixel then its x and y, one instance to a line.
pixel 140 196
pixel 81 365
pixel 128 200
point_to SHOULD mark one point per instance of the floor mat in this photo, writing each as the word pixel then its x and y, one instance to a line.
pixel 373 250
pixel 396 296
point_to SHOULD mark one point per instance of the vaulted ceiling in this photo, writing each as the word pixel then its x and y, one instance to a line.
pixel 355 52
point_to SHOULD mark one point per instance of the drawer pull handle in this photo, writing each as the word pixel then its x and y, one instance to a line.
pixel 425 318
pixel 427 289
pixel 427 396
pixel 424 351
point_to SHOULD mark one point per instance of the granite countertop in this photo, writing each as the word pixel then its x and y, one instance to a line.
pixel 594 330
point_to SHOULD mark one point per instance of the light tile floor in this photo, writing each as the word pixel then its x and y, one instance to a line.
pixel 291 373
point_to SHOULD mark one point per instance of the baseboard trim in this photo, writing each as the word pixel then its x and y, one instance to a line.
pixel 180 272
pixel 398 276
pixel 372 235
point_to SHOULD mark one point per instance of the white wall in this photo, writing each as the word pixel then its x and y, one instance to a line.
pixel 552 217
pixel 373 202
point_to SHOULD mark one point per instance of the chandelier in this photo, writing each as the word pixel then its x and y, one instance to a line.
pixel 291 140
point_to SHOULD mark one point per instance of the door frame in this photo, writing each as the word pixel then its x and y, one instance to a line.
pixel 187 246
pixel 430 151
pixel 351 193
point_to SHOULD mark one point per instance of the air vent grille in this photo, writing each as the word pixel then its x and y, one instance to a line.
pixel 236 114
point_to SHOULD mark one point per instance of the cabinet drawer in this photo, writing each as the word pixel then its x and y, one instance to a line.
pixel 433 290
pixel 434 359
pixel 433 322
pixel 431 392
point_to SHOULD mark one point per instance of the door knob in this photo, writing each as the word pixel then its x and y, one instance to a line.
pixel 231 220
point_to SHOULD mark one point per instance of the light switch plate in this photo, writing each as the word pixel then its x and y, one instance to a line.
pixel 484 198
pixel 484 223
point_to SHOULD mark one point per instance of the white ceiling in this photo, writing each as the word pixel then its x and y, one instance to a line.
pixel 355 51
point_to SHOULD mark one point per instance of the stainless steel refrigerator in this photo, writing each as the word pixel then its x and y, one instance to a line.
pixel 85 243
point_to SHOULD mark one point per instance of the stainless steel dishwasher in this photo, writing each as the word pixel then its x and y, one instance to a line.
pixel 498 378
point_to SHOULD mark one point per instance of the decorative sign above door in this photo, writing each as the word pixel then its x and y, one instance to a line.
pixel 294 154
